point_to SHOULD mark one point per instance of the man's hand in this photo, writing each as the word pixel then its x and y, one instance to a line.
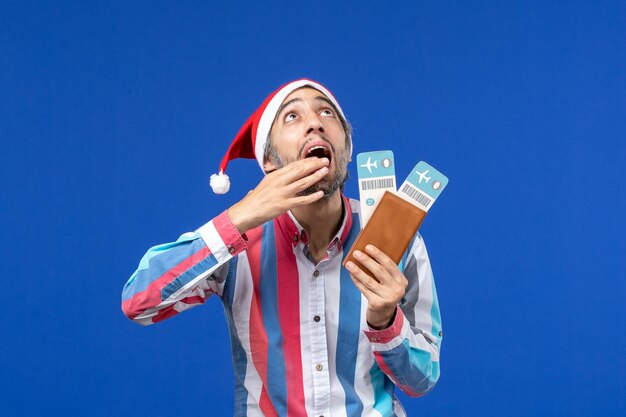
pixel 278 192
pixel 382 296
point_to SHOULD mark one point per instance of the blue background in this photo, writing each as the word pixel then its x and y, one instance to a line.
pixel 114 114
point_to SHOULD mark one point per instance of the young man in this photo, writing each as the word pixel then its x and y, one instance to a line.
pixel 309 338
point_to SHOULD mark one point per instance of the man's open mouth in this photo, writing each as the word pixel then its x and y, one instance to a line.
pixel 319 151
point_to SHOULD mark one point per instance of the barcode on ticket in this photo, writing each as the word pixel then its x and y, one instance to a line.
pixel 377 184
pixel 416 195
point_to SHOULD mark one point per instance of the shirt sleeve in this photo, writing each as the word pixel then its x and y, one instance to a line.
pixel 408 350
pixel 173 277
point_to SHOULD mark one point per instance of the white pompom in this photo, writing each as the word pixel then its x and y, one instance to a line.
pixel 220 183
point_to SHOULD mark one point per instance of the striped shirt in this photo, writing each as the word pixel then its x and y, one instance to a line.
pixel 300 341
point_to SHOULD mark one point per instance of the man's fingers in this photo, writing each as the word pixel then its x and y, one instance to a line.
pixel 307 166
pixel 379 272
pixel 298 169
pixel 368 282
pixel 305 199
pixel 385 261
pixel 380 256
pixel 369 294
pixel 309 180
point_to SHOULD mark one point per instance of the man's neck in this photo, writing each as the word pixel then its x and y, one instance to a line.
pixel 321 220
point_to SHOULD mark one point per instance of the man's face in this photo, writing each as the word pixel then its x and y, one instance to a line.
pixel 307 125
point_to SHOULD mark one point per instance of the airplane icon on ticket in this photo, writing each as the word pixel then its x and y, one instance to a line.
pixel 423 176
pixel 369 164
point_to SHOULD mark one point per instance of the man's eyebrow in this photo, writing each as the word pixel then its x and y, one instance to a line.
pixel 331 104
pixel 297 99
pixel 286 103
pixel 325 99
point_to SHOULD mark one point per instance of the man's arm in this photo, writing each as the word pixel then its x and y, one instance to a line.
pixel 173 277
pixel 176 276
pixel 405 331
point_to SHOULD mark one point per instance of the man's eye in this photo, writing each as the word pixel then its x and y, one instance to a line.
pixel 327 112
pixel 290 116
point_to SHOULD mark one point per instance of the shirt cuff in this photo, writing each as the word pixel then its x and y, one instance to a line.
pixel 387 335
pixel 222 238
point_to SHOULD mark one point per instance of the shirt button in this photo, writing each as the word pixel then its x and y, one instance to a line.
pixel 295 237
pixel 316 273
pixel 316 318
pixel 231 250
pixel 374 339
pixel 319 367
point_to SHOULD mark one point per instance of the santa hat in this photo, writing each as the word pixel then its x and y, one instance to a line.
pixel 250 141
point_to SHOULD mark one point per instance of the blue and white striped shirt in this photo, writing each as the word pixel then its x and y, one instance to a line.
pixel 300 341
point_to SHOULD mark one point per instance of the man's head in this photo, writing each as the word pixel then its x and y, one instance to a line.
pixel 308 124
pixel 269 138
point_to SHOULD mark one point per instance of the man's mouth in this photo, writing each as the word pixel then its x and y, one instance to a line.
pixel 318 149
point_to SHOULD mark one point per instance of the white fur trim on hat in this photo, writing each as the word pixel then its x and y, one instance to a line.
pixel 269 114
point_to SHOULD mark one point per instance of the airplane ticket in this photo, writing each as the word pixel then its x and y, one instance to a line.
pixel 423 185
pixel 377 174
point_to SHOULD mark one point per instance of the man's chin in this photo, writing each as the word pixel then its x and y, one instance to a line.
pixel 329 188
pixel 312 190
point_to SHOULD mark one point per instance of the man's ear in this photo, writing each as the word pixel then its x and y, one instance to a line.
pixel 268 166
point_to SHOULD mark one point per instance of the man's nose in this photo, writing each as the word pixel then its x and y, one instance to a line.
pixel 314 124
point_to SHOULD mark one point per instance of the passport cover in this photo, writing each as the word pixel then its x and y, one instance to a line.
pixel 391 229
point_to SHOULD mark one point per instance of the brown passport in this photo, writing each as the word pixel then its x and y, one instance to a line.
pixel 391 229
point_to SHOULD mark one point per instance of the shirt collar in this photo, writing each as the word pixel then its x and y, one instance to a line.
pixel 295 233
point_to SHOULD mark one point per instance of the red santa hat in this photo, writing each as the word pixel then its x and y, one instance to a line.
pixel 251 139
